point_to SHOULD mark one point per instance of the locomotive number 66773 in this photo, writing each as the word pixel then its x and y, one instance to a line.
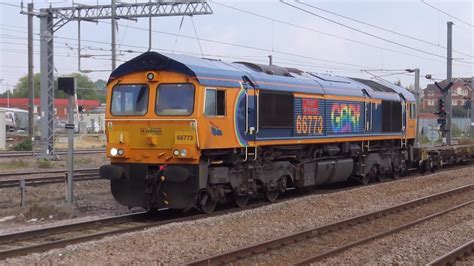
pixel 185 132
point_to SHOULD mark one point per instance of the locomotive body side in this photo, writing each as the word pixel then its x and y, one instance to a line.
pixel 185 133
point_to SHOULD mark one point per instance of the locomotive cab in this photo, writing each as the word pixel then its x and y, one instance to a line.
pixel 152 139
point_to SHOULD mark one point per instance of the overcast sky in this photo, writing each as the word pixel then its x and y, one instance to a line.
pixel 315 44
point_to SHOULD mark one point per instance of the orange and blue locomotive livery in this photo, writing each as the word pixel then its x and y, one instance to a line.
pixel 186 132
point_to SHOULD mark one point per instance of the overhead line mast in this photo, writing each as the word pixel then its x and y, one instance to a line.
pixel 92 13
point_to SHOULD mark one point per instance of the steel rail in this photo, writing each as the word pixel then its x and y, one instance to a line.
pixel 16 239
pixel 36 172
pixel 251 250
pixel 39 181
pixel 454 255
pixel 125 224
pixel 60 152
pixel 334 251
pixel 79 175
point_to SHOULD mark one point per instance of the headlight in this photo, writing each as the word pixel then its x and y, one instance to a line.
pixel 113 152
pixel 120 152
pixel 150 76
pixel 184 152
pixel 176 153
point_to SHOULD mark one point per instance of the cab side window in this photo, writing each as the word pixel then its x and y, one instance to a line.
pixel 215 102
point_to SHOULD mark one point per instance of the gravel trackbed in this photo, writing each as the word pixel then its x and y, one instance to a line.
pixel 179 243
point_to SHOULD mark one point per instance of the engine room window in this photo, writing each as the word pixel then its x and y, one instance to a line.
pixel 175 99
pixel 215 102
pixel 275 110
pixel 129 99
pixel 412 111
pixel 391 116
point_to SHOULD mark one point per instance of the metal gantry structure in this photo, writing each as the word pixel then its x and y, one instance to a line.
pixel 52 19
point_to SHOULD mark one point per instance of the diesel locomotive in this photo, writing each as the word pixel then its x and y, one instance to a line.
pixel 186 132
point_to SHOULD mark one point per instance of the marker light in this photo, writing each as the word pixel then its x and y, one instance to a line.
pixel 150 76
pixel 113 152
pixel 176 153
pixel 120 152
pixel 183 152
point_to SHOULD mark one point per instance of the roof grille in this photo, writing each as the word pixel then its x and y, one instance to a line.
pixel 271 69
pixel 374 85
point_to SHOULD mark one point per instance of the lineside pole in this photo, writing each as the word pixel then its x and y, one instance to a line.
pixel 472 108
pixel 149 29
pixel 114 53
pixel 79 45
pixel 449 77
pixel 417 107
pixel 31 88
pixel 70 141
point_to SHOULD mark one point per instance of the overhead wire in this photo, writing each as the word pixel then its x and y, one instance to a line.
pixel 326 33
pixel 378 27
pixel 214 41
pixel 176 37
pixel 9 4
pixel 447 14
pixel 220 42
pixel 240 57
pixel 197 35
pixel 243 46
pixel 366 33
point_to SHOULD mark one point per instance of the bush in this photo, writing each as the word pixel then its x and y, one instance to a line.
pixel 24 145
pixel 44 164
pixel 14 164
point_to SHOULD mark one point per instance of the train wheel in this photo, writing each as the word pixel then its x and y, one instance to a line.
pixel 272 195
pixel 364 180
pixel 374 173
pixel 422 167
pixel 433 167
pixel 207 204
pixel 241 201
pixel 404 169
pixel 385 174
pixel 397 173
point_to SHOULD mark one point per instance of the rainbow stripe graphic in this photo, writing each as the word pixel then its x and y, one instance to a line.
pixel 239 99
pixel 345 118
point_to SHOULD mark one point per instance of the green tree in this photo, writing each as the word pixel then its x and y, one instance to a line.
pixel 21 88
pixel 102 86
pixel 86 89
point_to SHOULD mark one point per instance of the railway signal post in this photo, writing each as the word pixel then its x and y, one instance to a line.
pixel 449 75
pixel 68 85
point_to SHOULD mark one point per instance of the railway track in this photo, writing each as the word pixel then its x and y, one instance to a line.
pixel 458 254
pixel 10 180
pixel 16 154
pixel 23 243
pixel 40 240
pixel 316 244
